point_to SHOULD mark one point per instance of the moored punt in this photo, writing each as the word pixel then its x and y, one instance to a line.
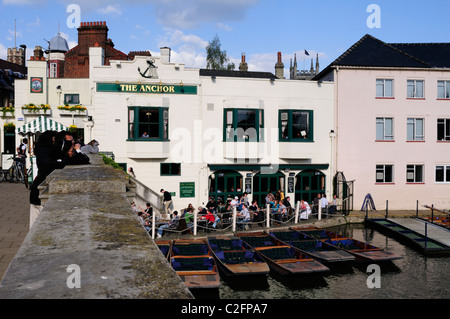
pixel 362 251
pixel 235 257
pixel 193 262
pixel 164 246
pixel 280 257
pixel 429 242
pixel 440 220
pixel 317 249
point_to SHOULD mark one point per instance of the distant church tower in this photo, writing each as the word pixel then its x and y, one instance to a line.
pixel 16 55
pixel 303 74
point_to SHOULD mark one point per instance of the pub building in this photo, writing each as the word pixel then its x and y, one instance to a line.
pixel 197 133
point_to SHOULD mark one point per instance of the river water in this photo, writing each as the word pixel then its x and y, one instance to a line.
pixel 415 276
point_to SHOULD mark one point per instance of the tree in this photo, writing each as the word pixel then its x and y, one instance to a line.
pixel 216 58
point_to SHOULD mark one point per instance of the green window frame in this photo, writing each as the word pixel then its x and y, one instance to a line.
pixel 243 125
pixel 71 98
pixel 296 125
pixel 170 169
pixel 154 121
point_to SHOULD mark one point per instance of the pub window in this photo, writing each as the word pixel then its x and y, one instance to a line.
pixel 442 174
pixel 243 125
pixel 71 99
pixel 414 173
pixel 170 169
pixel 415 89
pixel 443 129
pixel 385 129
pixel 415 129
pixel 53 70
pixel 384 174
pixel 385 88
pixel 148 123
pixel 296 126
pixel 443 89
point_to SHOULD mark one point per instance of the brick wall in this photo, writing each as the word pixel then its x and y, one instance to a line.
pixel 90 34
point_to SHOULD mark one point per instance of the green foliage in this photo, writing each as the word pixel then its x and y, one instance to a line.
pixel 216 58
pixel 109 161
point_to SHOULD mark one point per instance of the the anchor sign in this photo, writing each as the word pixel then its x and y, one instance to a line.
pixel 150 65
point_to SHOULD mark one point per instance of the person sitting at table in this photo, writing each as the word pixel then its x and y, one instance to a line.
pixel 282 210
pixel 212 204
pixel 287 202
pixel 243 216
pixel 276 210
pixel 305 210
pixel 234 203
pixel 255 212
pixel 201 211
pixel 188 218
pixel 172 224
pixel 210 219
pixel 243 200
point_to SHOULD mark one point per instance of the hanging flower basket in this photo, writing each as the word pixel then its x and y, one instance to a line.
pixel 7 111
pixel 9 127
pixel 36 109
pixel 72 110
pixel 72 129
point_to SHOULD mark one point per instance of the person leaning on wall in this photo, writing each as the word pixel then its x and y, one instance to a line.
pixel 90 148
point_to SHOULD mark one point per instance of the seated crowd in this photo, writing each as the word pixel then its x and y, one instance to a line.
pixel 213 215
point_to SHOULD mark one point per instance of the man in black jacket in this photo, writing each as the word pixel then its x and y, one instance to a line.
pixel 167 201
pixel 53 151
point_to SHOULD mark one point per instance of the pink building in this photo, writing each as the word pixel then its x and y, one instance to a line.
pixel 392 124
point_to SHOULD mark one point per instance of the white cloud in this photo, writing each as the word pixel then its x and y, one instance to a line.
pixel 13 2
pixel 70 43
pixel 3 52
pixel 36 23
pixel 111 10
pixel 174 13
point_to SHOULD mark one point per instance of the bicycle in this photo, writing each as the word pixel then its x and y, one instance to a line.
pixel 15 172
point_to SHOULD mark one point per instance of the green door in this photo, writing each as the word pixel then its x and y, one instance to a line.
pixel 308 184
pixel 225 184
pixel 265 183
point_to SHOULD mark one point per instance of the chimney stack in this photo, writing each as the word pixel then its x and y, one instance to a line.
pixel 38 52
pixel 165 54
pixel 243 65
pixel 279 67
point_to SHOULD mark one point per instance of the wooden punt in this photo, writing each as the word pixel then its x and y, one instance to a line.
pixel 317 249
pixel 280 257
pixel 440 221
pixel 425 244
pixel 362 251
pixel 164 246
pixel 194 263
pixel 235 257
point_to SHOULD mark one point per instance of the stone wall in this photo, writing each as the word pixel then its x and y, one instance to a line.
pixel 88 244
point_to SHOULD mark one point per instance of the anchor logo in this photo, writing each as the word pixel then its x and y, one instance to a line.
pixel 150 65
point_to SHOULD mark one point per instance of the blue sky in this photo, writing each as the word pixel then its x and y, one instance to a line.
pixel 260 28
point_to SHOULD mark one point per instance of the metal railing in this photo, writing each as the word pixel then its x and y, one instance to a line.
pixel 230 222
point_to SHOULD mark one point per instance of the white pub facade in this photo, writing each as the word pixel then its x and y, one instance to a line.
pixel 197 133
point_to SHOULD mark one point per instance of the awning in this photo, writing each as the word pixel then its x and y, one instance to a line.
pixel 41 124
